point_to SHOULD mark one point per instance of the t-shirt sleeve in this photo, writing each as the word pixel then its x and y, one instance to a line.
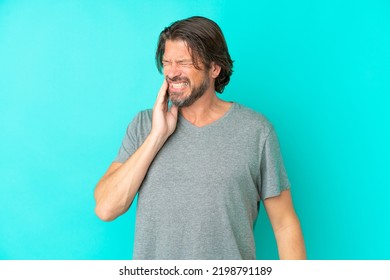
pixel 274 178
pixel 129 142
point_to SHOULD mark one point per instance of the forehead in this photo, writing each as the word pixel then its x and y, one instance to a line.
pixel 176 49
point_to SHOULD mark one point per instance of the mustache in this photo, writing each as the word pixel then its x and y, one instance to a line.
pixel 177 79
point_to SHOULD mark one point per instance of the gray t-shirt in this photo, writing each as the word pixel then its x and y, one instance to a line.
pixel 201 195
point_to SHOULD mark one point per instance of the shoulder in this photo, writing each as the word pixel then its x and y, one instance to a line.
pixel 251 118
pixel 144 116
pixel 141 123
pixel 141 118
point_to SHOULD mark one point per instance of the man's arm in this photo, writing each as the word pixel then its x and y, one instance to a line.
pixel 286 226
pixel 116 190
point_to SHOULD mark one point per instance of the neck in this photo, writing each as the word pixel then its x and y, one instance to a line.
pixel 205 110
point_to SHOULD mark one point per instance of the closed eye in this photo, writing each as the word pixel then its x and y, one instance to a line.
pixel 186 63
pixel 182 63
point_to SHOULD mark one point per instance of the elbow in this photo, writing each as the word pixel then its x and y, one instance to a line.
pixel 107 210
pixel 105 214
pixel 103 210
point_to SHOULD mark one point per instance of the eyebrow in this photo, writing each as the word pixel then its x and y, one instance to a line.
pixel 179 60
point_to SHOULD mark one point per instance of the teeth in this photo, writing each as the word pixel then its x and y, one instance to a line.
pixel 179 85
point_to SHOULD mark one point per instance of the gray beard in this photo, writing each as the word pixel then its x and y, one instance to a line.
pixel 196 93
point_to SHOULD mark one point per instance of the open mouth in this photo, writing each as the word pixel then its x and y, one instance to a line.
pixel 179 85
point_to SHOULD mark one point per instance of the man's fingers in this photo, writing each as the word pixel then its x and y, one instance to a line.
pixel 161 103
pixel 162 94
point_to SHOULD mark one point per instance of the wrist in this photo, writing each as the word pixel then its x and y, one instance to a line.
pixel 157 139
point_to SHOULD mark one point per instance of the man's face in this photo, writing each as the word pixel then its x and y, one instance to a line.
pixel 186 84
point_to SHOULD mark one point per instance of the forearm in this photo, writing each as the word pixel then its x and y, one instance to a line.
pixel 116 190
pixel 290 241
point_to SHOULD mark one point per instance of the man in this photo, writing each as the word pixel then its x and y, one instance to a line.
pixel 202 165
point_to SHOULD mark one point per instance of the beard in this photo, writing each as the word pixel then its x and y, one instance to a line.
pixel 196 92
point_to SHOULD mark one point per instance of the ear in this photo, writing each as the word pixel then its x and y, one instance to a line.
pixel 215 69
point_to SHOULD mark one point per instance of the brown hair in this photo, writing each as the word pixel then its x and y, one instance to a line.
pixel 205 40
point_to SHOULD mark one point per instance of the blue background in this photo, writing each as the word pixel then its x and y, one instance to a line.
pixel 74 73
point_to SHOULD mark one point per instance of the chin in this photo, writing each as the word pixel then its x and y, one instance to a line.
pixel 177 97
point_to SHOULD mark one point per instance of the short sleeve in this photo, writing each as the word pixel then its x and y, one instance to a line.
pixel 274 178
pixel 135 135
pixel 128 143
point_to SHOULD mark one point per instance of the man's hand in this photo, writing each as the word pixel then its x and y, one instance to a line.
pixel 164 121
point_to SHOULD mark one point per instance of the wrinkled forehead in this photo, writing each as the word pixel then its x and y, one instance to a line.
pixel 177 49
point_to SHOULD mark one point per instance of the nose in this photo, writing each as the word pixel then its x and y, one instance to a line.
pixel 173 70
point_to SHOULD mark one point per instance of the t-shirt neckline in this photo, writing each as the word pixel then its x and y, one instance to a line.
pixel 186 123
